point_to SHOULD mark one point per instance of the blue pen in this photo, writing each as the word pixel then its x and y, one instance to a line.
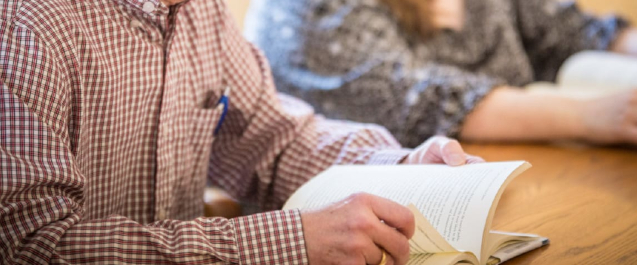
pixel 222 104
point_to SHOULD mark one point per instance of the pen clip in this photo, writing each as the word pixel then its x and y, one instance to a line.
pixel 222 105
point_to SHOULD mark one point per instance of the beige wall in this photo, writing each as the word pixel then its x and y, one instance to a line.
pixel 238 9
pixel 627 8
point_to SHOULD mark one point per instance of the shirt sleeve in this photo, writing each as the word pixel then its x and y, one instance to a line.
pixel 271 143
pixel 554 30
pixel 43 190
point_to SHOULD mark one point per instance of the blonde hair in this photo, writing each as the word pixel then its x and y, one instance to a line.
pixel 414 16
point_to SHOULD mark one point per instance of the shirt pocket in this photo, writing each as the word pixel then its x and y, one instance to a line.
pixel 204 122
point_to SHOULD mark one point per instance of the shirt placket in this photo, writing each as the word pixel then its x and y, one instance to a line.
pixel 155 22
pixel 168 145
pixel 150 19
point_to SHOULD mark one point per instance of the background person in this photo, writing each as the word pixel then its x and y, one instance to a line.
pixel 449 67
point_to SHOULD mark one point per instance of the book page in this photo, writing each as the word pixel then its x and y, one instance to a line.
pixel 591 74
pixel 444 258
pixel 596 70
pixel 426 238
pixel 551 89
pixel 455 200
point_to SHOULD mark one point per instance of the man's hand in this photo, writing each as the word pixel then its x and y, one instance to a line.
pixel 439 150
pixel 354 231
pixel 358 229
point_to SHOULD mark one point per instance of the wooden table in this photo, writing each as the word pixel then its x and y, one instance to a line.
pixel 583 199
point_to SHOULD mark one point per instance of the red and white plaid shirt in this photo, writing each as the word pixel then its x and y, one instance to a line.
pixel 107 113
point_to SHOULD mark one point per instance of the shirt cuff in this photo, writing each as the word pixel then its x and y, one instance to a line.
pixel 271 238
pixel 388 157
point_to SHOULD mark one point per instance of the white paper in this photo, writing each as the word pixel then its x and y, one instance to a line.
pixel 455 200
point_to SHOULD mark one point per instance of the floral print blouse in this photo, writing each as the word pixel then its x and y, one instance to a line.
pixel 351 60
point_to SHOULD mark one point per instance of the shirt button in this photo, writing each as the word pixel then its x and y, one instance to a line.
pixel 161 214
pixel 148 7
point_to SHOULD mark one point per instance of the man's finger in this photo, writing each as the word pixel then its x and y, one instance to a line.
pixel 471 159
pixel 375 256
pixel 393 214
pixel 428 152
pixel 393 242
pixel 372 252
pixel 419 156
pixel 452 153
pixel 632 135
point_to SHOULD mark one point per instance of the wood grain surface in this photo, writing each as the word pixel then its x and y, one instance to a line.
pixel 583 199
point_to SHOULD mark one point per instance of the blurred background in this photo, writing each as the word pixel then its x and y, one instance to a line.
pixel 221 204
pixel 625 8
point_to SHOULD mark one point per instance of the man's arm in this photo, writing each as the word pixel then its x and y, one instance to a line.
pixel 42 210
pixel 270 144
pixel 43 217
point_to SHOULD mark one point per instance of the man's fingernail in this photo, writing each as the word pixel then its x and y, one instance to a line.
pixel 456 160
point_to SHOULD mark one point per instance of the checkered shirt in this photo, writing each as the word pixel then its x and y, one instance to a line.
pixel 107 113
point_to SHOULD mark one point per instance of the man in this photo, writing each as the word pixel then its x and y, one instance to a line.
pixel 107 114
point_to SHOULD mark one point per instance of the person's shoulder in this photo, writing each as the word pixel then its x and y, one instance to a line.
pixel 38 15
pixel 374 4
pixel 50 26
pixel 335 12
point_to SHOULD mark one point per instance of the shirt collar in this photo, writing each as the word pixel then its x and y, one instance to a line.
pixel 153 11
pixel 149 7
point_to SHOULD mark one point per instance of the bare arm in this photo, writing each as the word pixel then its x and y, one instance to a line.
pixel 626 42
pixel 509 114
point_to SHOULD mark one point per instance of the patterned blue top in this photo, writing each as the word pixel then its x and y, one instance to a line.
pixel 351 60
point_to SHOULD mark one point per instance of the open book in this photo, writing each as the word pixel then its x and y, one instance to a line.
pixel 453 206
pixel 593 73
